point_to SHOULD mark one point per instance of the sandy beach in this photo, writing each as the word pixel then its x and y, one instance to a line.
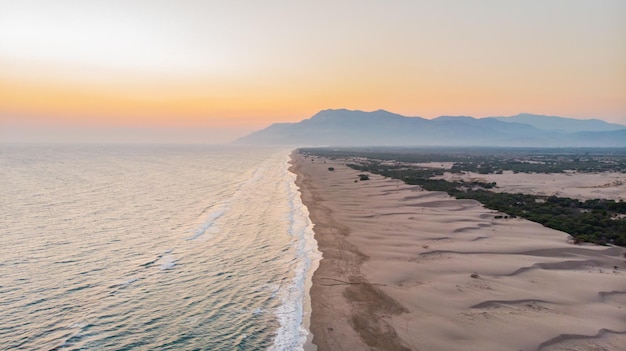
pixel 407 269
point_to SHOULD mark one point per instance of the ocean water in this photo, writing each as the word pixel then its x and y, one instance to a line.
pixel 152 248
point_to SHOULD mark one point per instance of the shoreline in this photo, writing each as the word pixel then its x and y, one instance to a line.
pixel 334 249
pixel 406 269
pixel 310 253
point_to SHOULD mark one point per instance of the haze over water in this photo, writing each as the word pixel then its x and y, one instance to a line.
pixel 151 247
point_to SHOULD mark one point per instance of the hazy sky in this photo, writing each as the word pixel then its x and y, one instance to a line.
pixel 227 67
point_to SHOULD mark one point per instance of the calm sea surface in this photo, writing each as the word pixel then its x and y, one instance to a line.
pixel 151 248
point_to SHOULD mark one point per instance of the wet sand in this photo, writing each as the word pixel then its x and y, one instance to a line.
pixel 407 269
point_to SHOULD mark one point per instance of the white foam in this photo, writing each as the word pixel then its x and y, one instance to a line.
pixel 76 336
pixel 130 281
pixel 208 223
pixel 294 312
pixel 169 262
pixel 77 325
pixel 124 284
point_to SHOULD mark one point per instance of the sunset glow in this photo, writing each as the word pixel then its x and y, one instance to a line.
pixel 243 65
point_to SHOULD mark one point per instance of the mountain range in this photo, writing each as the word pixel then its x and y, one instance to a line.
pixel 382 128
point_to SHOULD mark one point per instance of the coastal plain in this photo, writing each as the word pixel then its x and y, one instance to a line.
pixel 576 185
pixel 408 269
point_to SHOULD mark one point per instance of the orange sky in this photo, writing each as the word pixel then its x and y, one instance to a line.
pixel 243 65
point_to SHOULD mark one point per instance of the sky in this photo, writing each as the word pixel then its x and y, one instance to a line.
pixel 210 71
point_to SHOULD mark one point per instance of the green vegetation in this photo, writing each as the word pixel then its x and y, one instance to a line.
pixel 598 221
pixel 494 160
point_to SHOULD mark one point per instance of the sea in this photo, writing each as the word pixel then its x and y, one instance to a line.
pixel 152 247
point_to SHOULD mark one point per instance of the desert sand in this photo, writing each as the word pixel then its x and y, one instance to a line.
pixel 407 269
pixel 581 186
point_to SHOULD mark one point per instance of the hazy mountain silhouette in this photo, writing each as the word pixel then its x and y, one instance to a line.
pixel 382 128
pixel 561 124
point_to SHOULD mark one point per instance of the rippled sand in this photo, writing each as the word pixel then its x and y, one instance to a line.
pixel 409 269
pixel 582 186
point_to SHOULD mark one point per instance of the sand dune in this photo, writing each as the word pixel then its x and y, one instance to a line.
pixel 406 269
pixel 581 186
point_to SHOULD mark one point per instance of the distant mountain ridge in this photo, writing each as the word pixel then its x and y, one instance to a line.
pixel 562 124
pixel 382 128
